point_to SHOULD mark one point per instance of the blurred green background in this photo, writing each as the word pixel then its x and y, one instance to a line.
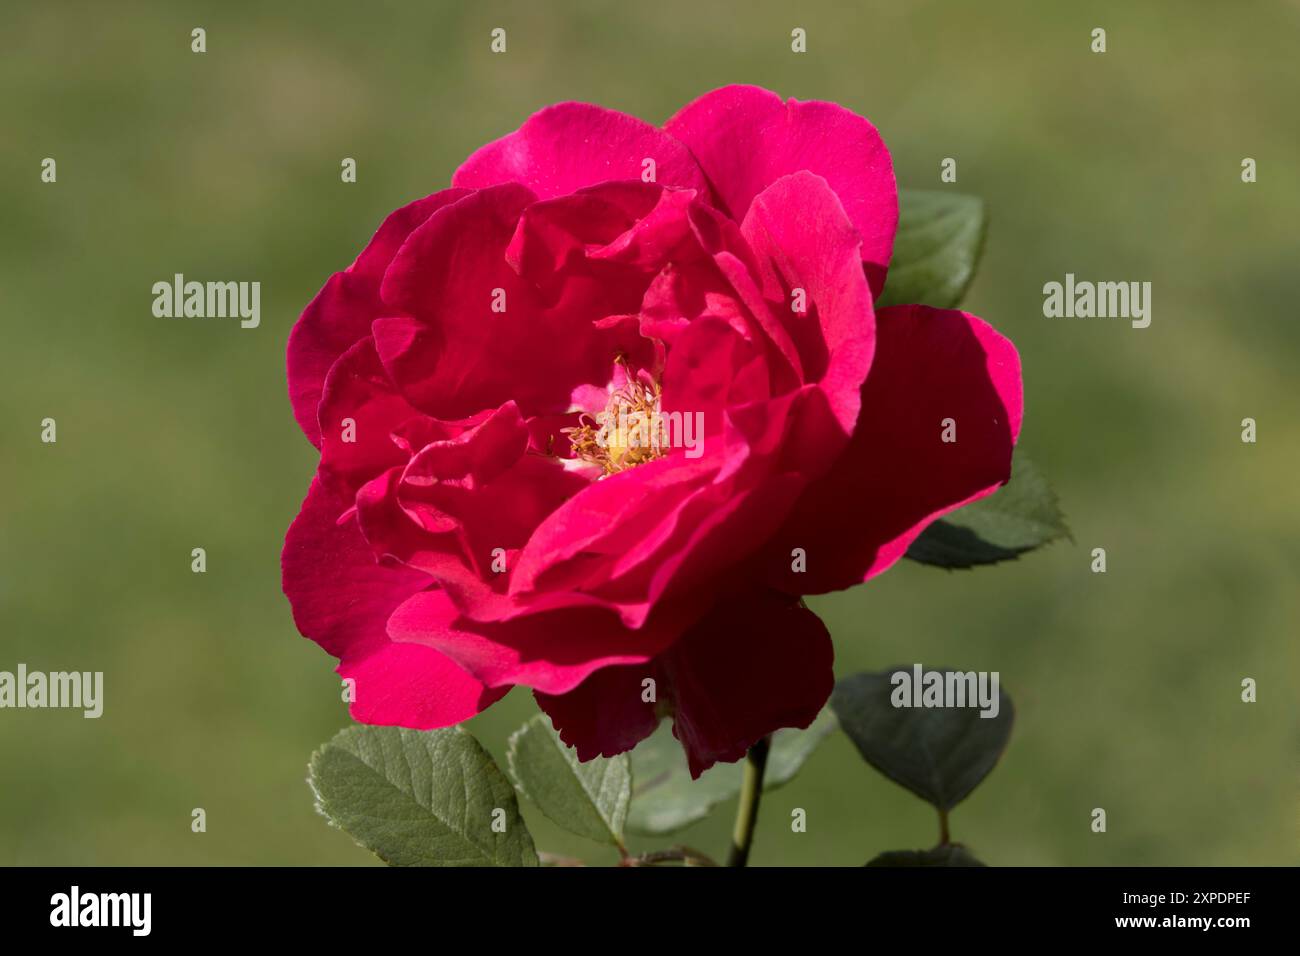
pixel 178 434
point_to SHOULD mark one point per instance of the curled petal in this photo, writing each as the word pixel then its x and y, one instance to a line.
pixel 746 138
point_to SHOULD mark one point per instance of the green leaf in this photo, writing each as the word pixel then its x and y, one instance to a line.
pixel 939 753
pixel 665 798
pixel 938 244
pixel 589 799
pixel 1021 515
pixel 951 854
pixel 420 798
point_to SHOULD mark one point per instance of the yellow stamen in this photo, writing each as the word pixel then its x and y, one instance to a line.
pixel 625 434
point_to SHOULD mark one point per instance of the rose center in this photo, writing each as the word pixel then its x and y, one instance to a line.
pixel 629 432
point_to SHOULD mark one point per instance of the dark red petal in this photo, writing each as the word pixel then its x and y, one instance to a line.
pixel 606 714
pixel 757 664
pixel 753 665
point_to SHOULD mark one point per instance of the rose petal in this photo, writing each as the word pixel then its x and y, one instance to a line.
pixel 756 664
pixel 897 475
pixel 452 353
pixel 745 138
pixel 565 147
pixel 342 311
pixel 600 246
pixel 605 715
pixel 485 487
pixel 360 411
pixel 341 598
pixel 722 241
pixel 803 240
pixel 405 685
pixel 552 651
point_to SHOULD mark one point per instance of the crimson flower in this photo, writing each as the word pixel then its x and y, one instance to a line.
pixel 475 523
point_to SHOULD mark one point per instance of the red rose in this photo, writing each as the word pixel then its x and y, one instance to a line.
pixel 479 520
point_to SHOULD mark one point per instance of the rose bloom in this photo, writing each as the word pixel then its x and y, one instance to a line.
pixel 470 528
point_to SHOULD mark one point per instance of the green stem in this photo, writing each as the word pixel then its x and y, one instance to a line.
pixel 751 792
pixel 943 828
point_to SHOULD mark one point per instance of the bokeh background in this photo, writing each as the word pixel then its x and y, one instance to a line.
pixel 177 434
